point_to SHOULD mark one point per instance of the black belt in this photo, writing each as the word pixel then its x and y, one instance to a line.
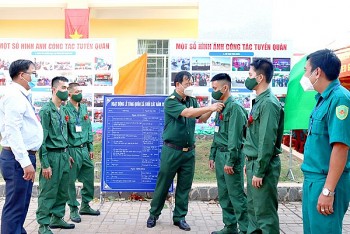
pixel 79 146
pixel 31 152
pixel 184 149
pixel 255 158
pixel 57 150
pixel 250 158
pixel 223 149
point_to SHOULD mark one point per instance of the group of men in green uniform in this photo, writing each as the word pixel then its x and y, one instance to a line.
pixel 256 212
pixel 251 144
pixel 65 155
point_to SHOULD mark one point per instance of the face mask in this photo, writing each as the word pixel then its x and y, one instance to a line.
pixel 217 94
pixel 77 97
pixel 62 95
pixel 33 82
pixel 251 83
pixel 188 91
pixel 306 83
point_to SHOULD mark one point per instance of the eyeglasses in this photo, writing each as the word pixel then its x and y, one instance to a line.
pixel 33 73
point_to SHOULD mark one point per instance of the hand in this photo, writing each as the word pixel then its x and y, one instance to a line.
pixel 228 170
pixel 257 182
pixel 91 155
pixel 217 107
pixel 71 161
pixel 47 173
pixel 29 173
pixel 211 165
pixel 325 204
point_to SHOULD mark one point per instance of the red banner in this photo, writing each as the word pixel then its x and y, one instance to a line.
pixel 77 23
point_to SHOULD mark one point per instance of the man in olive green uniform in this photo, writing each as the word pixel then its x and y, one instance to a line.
pixel 226 153
pixel 326 165
pixel 178 154
pixel 80 141
pixel 261 147
pixel 54 159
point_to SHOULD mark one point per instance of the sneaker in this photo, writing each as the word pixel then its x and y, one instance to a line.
pixel 57 222
pixel 74 216
pixel 87 210
pixel 44 229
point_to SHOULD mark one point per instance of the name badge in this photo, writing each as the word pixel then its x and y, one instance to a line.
pixel 216 129
pixel 78 128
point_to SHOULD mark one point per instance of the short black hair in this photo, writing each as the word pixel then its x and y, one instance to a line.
pixel 18 66
pixel 222 76
pixel 57 79
pixel 264 67
pixel 72 85
pixel 180 76
pixel 327 60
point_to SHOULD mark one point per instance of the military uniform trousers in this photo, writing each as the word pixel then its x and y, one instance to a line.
pixel 315 222
pixel 172 162
pixel 18 193
pixel 263 202
pixel 53 193
pixel 83 170
pixel 232 199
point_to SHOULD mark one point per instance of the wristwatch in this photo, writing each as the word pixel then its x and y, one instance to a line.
pixel 326 192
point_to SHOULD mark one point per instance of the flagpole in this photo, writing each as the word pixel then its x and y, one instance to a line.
pixel 290 174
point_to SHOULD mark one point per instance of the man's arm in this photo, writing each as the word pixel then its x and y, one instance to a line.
pixel 339 158
pixel 45 122
pixel 191 112
pixel 237 122
pixel 269 118
pixel 14 111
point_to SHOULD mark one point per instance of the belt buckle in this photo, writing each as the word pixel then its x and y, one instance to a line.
pixel 185 149
pixel 82 145
pixel 65 150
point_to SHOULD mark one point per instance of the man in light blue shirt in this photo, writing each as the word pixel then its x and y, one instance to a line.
pixel 22 136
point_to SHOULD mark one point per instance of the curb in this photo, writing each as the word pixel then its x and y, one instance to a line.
pixel 287 192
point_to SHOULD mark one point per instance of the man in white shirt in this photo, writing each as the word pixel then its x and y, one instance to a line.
pixel 22 136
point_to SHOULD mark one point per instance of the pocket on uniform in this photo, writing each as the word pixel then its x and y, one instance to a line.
pixel 318 125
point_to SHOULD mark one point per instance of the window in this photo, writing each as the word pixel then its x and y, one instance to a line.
pixel 157 65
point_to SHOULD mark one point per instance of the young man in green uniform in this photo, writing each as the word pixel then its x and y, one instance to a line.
pixel 81 150
pixel 326 166
pixel 261 148
pixel 178 154
pixel 226 153
pixel 54 159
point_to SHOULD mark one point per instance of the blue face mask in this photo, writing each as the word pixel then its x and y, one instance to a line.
pixel 33 82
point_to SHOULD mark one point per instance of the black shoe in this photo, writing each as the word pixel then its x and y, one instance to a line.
pixel 151 221
pixel 183 225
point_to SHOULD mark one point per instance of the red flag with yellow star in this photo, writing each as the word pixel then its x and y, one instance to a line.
pixel 77 23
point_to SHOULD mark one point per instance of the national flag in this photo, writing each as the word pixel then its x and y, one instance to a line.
pixel 132 77
pixel 77 23
pixel 299 103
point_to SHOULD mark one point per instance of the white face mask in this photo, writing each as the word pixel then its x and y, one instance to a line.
pixel 188 91
pixel 306 83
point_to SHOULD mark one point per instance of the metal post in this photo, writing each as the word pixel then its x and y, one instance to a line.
pixel 290 174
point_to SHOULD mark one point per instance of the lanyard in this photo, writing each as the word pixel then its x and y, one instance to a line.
pixel 29 101
pixel 318 105
pixel 77 115
pixel 60 119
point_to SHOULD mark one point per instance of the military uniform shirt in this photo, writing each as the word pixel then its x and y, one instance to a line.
pixel 79 118
pixel 231 125
pixel 329 123
pixel 54 124
pixel 179 130
pixel 265 131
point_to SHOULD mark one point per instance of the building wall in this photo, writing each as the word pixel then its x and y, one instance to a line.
pixel 126 32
